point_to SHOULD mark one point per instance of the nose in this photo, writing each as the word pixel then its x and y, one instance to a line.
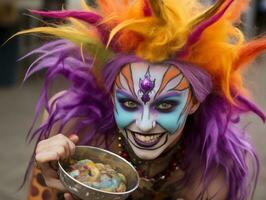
pixel 145 123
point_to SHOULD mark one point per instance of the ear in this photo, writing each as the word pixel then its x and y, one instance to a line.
pixel 194 106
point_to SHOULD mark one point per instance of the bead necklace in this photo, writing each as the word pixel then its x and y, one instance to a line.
pixel 174 164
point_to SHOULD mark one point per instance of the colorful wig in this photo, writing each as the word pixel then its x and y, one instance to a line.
pixel 96 43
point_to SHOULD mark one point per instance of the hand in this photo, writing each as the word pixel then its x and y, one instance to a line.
pixel 48 152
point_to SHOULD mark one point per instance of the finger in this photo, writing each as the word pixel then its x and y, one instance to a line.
pixel 68 144
pixel 47 156
pixel 58 140
pixel 65 144
pixel 48 171
pixel 55 183
pixel 62 151
pixel 53 154
pixel 68 196
pixel 40 146
pixel 74 138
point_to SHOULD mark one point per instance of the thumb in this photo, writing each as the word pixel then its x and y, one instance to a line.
pixel 68 196
pixel 74 138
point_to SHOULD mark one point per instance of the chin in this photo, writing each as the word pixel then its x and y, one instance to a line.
pixel 147 155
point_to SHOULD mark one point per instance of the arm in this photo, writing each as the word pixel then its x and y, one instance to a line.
pixel 56 147
pixel 38 189
pixel 44 181
pixel 216 190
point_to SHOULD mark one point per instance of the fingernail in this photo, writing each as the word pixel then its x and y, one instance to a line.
pixel 73 135
pixel 74 138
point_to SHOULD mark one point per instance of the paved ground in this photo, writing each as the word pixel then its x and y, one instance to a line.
pixel 16 112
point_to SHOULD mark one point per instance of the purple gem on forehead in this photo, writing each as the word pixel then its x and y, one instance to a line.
pixel 146 86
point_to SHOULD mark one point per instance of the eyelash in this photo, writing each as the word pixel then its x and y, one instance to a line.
pixel 124 101
pixel 172 105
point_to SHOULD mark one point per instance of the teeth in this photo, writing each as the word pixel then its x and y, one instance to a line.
pixel 147 139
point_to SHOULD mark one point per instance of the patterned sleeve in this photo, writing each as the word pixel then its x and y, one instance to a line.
pixel 38 189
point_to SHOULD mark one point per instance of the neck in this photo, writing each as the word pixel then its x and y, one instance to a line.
pixel 148 168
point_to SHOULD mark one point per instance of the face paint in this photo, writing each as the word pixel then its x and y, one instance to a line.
pixel 125 110
pixel 152 103
pixel 146 86
pixel 179 106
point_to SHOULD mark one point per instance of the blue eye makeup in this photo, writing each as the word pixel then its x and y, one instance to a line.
pixel 125 109
pixel 167 103
pixel 171 110
pixel 127 102
pixel 166 106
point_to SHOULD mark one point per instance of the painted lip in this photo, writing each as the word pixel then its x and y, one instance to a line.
pixel 147 144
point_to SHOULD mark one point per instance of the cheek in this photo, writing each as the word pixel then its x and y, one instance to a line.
pixel 171 122
pixel 174 120
pixel 123 118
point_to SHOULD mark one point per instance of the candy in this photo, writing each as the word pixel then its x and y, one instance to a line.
pixel 97 175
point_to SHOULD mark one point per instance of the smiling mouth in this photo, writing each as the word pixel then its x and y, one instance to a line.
pixel 146 140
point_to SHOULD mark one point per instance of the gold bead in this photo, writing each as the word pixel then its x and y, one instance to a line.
pixel 120 145
pixel 119 138
pixel 120 152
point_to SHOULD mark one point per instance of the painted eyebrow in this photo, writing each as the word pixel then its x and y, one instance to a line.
pixel 127 95
pixel 170 94
pixel 170 74
pixel 127 74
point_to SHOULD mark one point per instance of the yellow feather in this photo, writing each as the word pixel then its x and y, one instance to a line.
pixel 163 34
pixel 120 27
pixel 82 27
pixel 61 32
pixel 209 12
pixel 85 6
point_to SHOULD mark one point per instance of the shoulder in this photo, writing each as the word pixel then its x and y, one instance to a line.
pixel 217 188
pixel 51 102
pixel 69 126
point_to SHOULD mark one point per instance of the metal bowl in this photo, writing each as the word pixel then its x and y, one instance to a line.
pixel 95 154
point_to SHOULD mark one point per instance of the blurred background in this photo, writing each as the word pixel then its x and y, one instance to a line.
pixel 17 101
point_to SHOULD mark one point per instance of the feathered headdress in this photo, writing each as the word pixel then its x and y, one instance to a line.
pixel 158 30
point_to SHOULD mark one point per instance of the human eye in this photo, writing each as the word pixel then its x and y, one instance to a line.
pixel 166 106
pixel 129 104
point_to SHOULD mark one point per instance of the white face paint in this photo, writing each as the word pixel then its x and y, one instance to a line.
pixel 152 103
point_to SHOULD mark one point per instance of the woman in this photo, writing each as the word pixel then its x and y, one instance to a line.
pixel 157 82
